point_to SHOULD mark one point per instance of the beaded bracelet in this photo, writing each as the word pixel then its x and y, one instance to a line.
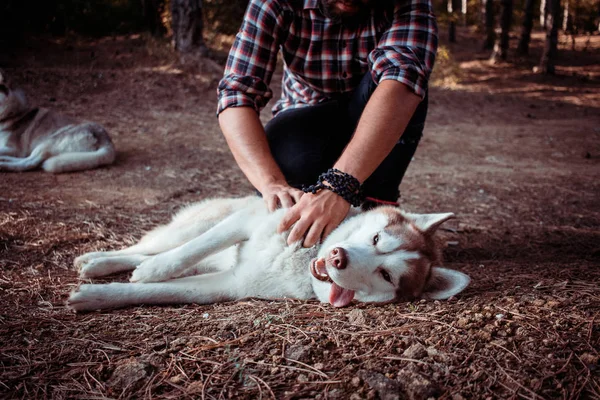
pixel 344 185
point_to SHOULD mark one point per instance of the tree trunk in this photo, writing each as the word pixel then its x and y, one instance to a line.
pixel 463 12
pixel 481 16
pixel 550 49
pixel 598 16
pixel 187 26
pixel 523 47
pixel 452 7
pixel 568 22
pixel 544 14
pixel 501 47
pixel 490 22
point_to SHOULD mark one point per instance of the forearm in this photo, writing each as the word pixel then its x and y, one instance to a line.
pixel 383 121
pixel 247 140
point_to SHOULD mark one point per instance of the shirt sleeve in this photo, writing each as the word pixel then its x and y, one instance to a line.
pixel 252 58
pixel 406 51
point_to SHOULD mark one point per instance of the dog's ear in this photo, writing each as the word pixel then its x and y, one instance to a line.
pixel 445 283
pixel 429 223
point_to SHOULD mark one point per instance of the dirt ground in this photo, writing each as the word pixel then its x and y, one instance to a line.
pixel 515 155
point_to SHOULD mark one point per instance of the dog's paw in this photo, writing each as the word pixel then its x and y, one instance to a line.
pixel 151 270
pixel 81 261
pixel 91 297
pixel 98 267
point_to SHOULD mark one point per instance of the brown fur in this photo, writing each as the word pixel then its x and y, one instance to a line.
pixel 413 281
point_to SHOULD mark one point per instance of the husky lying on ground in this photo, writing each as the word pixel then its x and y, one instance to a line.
pixel 30 137
pixel 229 249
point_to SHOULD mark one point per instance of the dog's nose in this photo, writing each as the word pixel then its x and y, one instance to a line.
pixel 338 258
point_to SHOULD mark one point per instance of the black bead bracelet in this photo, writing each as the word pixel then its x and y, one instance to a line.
pixel 344 185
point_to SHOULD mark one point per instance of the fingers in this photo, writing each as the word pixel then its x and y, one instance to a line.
pixel 288 220
pixel 297 194
pixel 284 197
pixel 314 234
pixel 286 200
pixel 272 202
pixel 298 230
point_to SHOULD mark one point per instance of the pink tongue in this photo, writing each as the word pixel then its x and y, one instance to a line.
pixel 340 297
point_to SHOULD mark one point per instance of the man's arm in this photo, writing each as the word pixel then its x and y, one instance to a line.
pixel 244 91
pixel 401 64
pixel 383 121
pixel 247 140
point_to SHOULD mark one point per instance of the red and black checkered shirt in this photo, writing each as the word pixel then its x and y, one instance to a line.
pixel 324 58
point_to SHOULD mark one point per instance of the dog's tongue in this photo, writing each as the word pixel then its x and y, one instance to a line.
pixel 340 297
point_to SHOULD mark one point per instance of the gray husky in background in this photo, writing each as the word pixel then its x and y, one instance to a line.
pixel 33 137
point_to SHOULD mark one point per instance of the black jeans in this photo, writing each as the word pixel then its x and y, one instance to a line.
pixel 306 142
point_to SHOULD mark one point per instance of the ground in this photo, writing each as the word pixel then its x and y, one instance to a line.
pixel 514 154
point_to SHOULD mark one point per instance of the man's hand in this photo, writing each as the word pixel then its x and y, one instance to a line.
pixel 315 215
pixel 278 195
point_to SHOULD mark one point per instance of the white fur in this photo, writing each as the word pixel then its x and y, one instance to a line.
pixel 229 249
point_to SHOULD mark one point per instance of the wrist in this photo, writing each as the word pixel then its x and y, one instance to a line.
pixel 342 184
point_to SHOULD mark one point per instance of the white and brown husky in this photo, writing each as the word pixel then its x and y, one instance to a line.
pixel 32 137
pixel 228 249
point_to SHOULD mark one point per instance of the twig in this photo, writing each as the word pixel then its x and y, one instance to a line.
pixel 324 375
pixel 535 396
pixel 289 367
pixel 405 359
pixel 264 383
pixel 505 349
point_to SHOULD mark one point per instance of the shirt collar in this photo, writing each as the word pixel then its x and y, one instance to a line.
pixel 311 4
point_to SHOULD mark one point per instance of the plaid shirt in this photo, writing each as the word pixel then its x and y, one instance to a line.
pixel 323 58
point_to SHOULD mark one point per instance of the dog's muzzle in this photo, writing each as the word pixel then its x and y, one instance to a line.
pixel 338 258
pixel 319 271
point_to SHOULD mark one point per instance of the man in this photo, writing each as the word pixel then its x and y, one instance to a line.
pixel 352 109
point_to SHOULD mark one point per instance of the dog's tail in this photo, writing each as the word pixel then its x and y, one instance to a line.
pixel 70 162
pixel 77 161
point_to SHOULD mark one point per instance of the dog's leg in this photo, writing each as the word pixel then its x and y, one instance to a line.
pixel 188 224
pixel 16 164
pixel 232 230
pixel 8 151
pixel 203 289
pixel 102 266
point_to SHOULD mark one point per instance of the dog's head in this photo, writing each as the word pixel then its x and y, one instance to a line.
pixel 384 255
pixel 12 102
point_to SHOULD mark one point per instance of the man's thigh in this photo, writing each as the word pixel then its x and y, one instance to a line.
pixel 306 142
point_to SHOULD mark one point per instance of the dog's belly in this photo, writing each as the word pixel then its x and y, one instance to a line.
pixel 271 269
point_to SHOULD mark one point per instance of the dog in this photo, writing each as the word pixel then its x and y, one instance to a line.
pixel 222 250
pixel 33 137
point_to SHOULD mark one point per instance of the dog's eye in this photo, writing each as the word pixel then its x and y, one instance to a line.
pixel 375 239
pixel 4 89
pixel 386 275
